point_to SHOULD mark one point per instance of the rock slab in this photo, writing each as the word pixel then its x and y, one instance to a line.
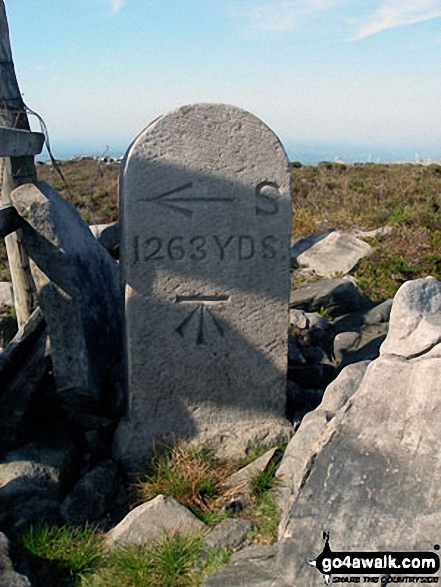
pixel 330 252
pixel 205 218
pixel 78 289
pixel 374 483
pixel 152 522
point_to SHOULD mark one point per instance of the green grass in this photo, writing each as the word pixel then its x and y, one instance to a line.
pixel 190 475
pixel 62 555
pixel 166 564
pixel 73 557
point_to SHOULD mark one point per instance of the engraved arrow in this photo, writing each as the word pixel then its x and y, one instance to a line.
pixel 199 312
pixel 174 199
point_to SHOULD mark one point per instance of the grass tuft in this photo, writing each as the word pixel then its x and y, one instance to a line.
pixel 190 475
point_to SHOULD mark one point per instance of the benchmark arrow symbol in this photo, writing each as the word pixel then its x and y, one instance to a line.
pixel 176 201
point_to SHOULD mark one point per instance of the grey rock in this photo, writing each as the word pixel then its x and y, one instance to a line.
pixel 6 294
pixel 382 231
pixel 344 342
pixel 229 533
pixel 369 485
pixel 242 478
pixel 343 387
pixel 379 313
pixel 22 366
pixel 152 521
pixel 330 252
pixel 368 347
pixel 28 494
pixel 8 576
pixel 92 495
pixel 298 318
pixel 107 235
pixel 298 454
pixel 78 289
pixel 415 320
pixel 205 223
pixel 337 296
pixel 251 567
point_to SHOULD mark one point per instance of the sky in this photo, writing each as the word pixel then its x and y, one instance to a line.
pixel 345 78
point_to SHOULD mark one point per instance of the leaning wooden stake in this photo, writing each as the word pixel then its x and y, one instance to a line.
pixel 14 171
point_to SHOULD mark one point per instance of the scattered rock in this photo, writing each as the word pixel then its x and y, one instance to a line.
pixel 152 521
pixel 415 320
pixel 241 480
pixel 368 484
pixel 343 387
pixel 330 252
pixel 338 296
pixel 230 533
pixel 92 496
pixel 298 454
pixel 23 365
pixel 8 577
pixel 6 294
pixel 107 235
pixel 382 231
pixel 251 567
pixel 78 288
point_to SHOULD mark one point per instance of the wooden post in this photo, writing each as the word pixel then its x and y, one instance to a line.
pixel 14 171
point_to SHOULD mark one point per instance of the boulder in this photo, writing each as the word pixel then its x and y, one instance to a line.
pixel 6 294
pixel 78 289
pixel 337 296
pixel 107 235
pixel 230 533
pixel 92 496
pixel 330 252
pixel 251 567
pixel 373 482
pixel 152 521
pixel 8 577
pixel 23 365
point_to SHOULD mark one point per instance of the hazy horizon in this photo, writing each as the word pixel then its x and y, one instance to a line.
pixel 359 78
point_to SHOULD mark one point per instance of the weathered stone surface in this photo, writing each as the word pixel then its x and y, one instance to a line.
pixel 30 481
pixel 8 577
pixel 152 521
pixel 78 289
pixel 230 533
pixel 22 366
pixel 343 387
pixel 415 320
pixel 303 445
pixel 375 485
pixel 251 567
pixel 242 478
pixel 6 294
pixel 107 235
pixel 92 495
pixel 205 236
pixel 338 296
pixel 330 252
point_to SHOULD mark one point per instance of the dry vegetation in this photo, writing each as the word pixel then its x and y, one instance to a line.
pixel 329 195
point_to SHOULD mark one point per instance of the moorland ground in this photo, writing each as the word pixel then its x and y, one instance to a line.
pixel 362 196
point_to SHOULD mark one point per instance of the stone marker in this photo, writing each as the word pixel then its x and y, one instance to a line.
pixel 205 251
